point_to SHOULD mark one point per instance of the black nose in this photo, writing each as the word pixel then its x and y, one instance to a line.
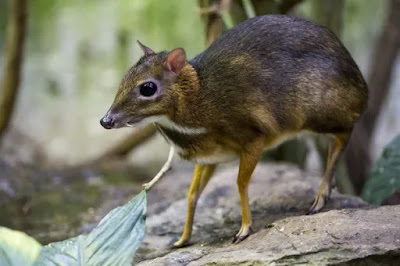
pixel 107 122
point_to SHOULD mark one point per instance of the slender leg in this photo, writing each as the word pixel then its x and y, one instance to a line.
pixel 336 148
pixel 248 162
pixel 201 176
pixel 164 169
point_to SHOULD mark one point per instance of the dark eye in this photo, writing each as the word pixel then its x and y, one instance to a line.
pixel 148 89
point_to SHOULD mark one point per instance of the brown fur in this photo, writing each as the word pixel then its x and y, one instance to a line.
pixel 262 81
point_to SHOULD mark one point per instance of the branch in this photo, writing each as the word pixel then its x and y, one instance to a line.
pixel 264 7
pixel 287 5
pixel 13 53
pixel 329 13
pixel 212 17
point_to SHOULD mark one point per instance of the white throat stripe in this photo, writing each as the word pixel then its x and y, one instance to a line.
pixel 163 120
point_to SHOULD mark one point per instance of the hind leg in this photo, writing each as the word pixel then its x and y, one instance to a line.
pixel 248 161
pixel 336 147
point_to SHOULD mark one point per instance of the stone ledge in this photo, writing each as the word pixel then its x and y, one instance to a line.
pixel 348 231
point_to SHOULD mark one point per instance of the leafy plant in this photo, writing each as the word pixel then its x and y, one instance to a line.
pixel 17 248
pixel 384 179
pixel 113 242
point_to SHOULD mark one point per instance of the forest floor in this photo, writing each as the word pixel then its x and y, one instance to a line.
pixel 55 205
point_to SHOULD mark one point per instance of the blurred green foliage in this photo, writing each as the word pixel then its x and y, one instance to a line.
pixel 77 52
pixel 160 24
pixel 96 34
pixel 384 179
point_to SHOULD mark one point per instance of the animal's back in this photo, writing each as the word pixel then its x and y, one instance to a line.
pixel 289 69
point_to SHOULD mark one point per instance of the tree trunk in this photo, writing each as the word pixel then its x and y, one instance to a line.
pixel 358 152
pixel 263 7
pixel 211 13
pixel 329 13
pixel 13 53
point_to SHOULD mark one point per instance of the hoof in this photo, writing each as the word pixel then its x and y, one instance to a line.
pixel 238 239
pixel 318 204
pixel 241 236
pixel 180 244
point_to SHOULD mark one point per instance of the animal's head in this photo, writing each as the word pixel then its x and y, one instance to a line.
pixel 146 93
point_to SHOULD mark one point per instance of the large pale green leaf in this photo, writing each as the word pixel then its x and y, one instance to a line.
pixel 113 242
pixel 17 248
pixel 384 179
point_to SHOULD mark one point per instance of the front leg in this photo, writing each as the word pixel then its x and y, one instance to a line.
pixel 201 176
pixel 248 161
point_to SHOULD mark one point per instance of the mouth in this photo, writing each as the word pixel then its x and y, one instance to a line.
pixel 116 121
pixel 129 122
pixel 132 122
pixel 144 120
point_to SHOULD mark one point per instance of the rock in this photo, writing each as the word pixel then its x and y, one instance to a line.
pixel 330 238
pixel 19 149
pixel 70 202
pixel 348 231
pixel 393 199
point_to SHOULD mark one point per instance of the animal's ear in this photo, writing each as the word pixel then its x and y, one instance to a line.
pixel 147 51
pixel 176 60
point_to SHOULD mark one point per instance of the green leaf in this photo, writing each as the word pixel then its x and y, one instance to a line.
pixel 113 242
pixel 17 248
pixel 384 179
